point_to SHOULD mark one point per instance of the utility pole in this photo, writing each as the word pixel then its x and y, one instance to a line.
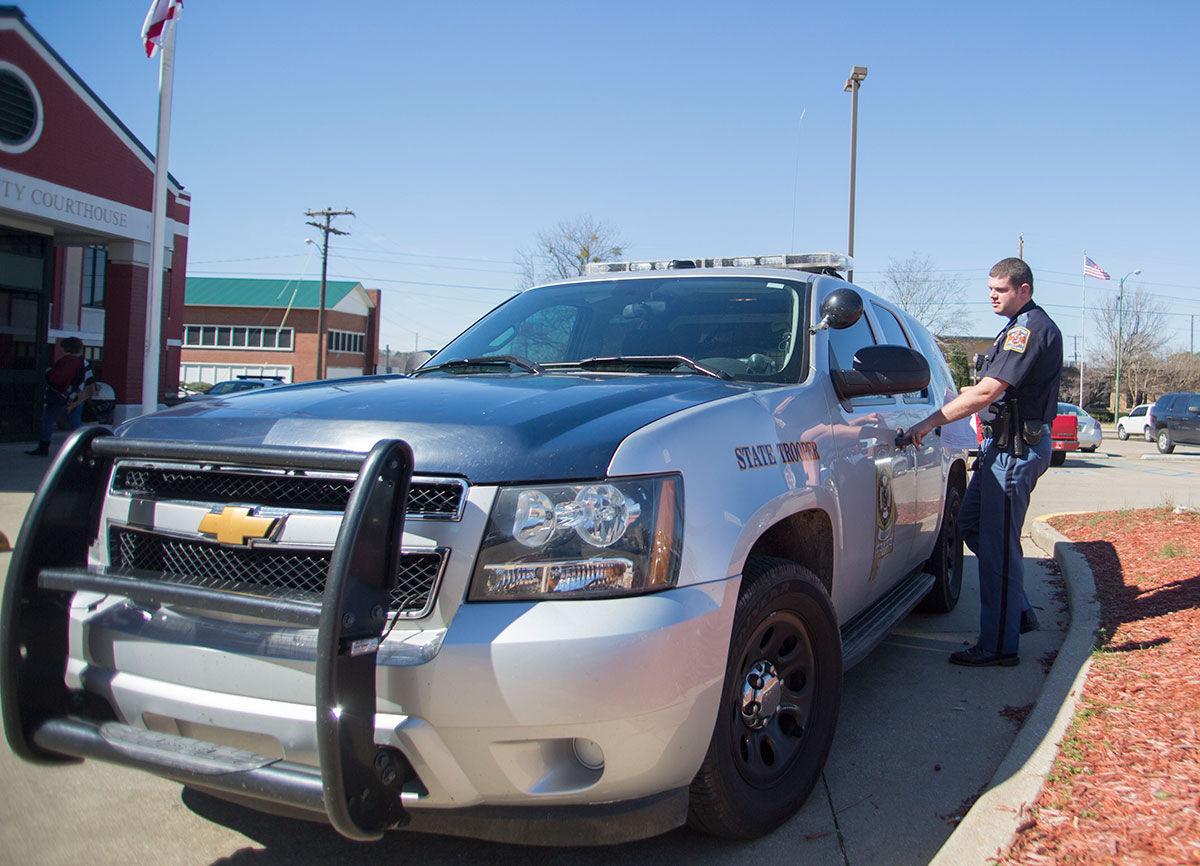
pixel 1121 334
pixel 1192 344
pixel 1020 246
pixel 327 229
pixel 387 358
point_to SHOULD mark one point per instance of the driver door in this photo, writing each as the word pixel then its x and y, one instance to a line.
pixel 876 483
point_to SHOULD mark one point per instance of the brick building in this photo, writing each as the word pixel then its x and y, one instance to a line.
pixel 76 191
pixel 263 327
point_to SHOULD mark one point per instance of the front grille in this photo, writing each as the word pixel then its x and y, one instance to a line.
pixel 269 571
pixel 318 493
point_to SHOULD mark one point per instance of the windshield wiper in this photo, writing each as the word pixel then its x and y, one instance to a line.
pixel 486 361
pixel 669 362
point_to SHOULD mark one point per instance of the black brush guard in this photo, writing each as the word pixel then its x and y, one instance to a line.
pixel 358 784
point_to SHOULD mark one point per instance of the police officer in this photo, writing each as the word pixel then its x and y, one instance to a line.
pixel 1019 383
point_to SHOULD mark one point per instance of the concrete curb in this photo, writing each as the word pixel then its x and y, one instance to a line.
pixel 988 828
pixel 1169 457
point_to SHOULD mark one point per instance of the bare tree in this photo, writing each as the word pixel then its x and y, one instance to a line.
pixel 934 299
pixel 565 250
pixel 1143 337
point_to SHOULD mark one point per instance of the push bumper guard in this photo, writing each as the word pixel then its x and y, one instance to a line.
pixel 358 784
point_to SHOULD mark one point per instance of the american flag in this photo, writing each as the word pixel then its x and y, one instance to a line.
pixel 161 11
pixel 1091 269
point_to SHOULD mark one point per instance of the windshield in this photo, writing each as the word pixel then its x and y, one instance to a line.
pixel 744 326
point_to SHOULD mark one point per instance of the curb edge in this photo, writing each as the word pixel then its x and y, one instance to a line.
pixel 988 828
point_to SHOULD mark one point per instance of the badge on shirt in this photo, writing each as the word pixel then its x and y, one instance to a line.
pixel 1017 339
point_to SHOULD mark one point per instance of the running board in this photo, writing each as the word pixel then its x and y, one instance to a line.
pixel 864 632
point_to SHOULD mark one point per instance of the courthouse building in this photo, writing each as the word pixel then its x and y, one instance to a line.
pixel 76 191
pixel 261 327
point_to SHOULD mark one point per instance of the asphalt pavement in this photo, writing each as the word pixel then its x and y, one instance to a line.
pixel 917 739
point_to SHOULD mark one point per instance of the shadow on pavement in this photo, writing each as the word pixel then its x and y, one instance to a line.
pixel 289 840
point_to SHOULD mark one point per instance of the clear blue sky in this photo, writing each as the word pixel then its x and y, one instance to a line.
pixel 457 130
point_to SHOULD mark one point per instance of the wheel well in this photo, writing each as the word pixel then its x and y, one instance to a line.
pixel 805 538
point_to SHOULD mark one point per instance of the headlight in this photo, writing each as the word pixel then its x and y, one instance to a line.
pixel 599 539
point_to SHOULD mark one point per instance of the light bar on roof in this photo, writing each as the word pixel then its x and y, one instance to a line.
pixel 787 261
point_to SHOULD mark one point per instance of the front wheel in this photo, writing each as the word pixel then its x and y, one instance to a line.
pixel 1165 444
pixel 946 563
pixel 779 704
pixel 1121 434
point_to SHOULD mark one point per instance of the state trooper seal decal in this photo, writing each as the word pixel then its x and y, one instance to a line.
pixel 885 513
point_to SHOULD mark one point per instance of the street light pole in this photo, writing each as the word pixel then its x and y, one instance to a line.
pixel 858 75
pixel 1121 334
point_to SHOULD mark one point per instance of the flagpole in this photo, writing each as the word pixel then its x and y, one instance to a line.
pixel 158 240
pixel 1083 309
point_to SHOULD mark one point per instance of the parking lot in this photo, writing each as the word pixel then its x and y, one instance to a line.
pixel 917 738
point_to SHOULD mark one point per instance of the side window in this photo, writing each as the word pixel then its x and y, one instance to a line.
pixel 894 335
pixel 844 343
pixel 1138 412
pixel 544 336
pixel 842 346
pixel 1193 403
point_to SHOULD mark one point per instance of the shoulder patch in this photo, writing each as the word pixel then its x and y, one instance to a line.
pixel 1017 339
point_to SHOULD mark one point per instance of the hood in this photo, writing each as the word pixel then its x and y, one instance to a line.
pixel 487 428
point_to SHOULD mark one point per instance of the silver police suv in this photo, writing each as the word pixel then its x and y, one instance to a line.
pixel 594 571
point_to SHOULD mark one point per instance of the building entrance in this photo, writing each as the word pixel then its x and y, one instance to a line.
pixel 26 269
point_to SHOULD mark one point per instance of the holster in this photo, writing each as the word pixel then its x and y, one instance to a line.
pixel 1008 433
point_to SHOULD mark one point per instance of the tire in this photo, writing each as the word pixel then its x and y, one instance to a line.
pixel 946 563
pixel 1165 444
pixel 1121 434
pixel 1058 458
pixel 1147 434
pixel 760 769
pixel 1091 450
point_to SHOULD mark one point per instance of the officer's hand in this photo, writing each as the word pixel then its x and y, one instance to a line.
pixel 916 434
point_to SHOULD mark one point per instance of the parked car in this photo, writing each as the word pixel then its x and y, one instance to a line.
pixel 1089 433
pixel 1137 422
pixel 1175 419
pixel 235 386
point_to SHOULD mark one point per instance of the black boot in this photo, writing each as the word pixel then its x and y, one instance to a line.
pixel 42 450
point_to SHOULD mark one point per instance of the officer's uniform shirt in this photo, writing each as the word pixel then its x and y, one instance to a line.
pixel 1027 355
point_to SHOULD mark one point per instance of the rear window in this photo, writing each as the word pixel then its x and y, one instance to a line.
pixel 1138 412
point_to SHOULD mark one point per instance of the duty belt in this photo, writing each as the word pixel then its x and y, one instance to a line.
pixel 1009 433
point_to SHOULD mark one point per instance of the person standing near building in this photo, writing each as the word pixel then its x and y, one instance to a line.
pixel 1019 381
pixel 69 384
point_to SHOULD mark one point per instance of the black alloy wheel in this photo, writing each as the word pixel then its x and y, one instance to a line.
pixel 778 706
pixel 778 682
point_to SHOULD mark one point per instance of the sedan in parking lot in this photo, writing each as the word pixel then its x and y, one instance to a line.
pixel 1090 435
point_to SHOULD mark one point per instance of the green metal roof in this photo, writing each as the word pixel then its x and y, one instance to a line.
pixel 256 292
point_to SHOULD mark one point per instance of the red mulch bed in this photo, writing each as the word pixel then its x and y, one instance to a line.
pixel 1125 787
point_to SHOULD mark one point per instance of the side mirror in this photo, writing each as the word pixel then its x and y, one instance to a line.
pixel 840 309
pixel 1195 410
pixel 882 370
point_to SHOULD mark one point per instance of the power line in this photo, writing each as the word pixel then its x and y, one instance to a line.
pixel 427 265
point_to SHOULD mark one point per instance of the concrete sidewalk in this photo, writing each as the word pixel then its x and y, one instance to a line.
pixel 917 741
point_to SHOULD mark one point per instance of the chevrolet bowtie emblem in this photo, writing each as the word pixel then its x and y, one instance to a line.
pixel 233 525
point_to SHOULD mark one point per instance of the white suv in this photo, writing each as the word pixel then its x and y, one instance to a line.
pixel 1136 423
pixel 593 571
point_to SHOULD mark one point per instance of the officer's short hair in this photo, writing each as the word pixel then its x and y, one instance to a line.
pixel 72 345
pixel 1014 270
